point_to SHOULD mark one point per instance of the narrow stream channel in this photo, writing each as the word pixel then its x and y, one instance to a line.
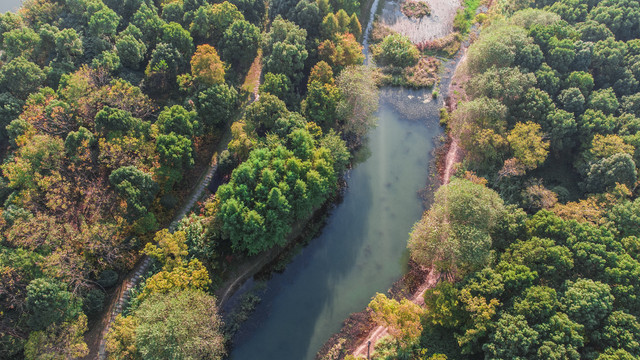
pixel 361 249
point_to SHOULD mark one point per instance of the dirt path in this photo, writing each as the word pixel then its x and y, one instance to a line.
pixel 98 348
pixel 381 331
pixel 135 275
pixel 453 157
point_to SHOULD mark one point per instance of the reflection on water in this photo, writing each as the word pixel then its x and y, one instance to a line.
pixel 436 25
pixel 362 248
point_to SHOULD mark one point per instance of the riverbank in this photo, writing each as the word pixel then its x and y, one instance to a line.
pixel 360 333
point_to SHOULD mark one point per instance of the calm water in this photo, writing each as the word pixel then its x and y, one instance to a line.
pixel 9 5
pixel 362 248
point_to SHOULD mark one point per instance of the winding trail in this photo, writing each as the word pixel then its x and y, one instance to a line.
pixel 135 275
pixel 133 278
pixel 453 157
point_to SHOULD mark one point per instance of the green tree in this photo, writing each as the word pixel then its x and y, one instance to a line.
pixel 513 339
pixel 497 47
pixel 151 25
pixel 131 51
pixel 183 325
pixel 239 44
pixel 548 79
pixel 396 50
pixel 68 45
pixel 21 42
pixel 216 105
pixel 593 31
pixel 307 15
pixel 561 338
pixel 211 21
pixel 354 27
pixel 605 173
pixel 453 236
pixel 588 302
pixel 177 119
pixel 179 38
pixel 261 115
pixel 284 49
pixel 329 27
pixel 104 23
pixel 443 306
pixel 320 105
pixel 604 100
pixel 581 80
pixel 173 12
pixel 616 354
pixel 252 10
pixel 21 77
pixel 607 60
pixel 48 302
pixel 550 261
pixel 107 60
pixel 622 17
pixel 58 342
pixel 622 331
pixel 163 68
pixel 537 304
pixel 263 199
pixel 504 84
pixel 136 187
pixel 175 151
pixel 572 100
pixel 111 120
pixel 278 85
pixel 561 54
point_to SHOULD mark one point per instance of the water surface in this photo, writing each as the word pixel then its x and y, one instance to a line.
pixel 362 248
pixel 9 5
pixel 436 25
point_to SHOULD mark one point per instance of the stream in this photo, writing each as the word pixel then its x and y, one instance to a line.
pixel 361 249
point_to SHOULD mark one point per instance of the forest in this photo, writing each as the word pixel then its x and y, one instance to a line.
pixel 536 239
pixel 110 111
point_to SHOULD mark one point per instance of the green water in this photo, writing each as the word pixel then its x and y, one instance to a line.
pixel 362 248
pixel 9 5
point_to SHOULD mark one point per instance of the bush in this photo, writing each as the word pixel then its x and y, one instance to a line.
pixel 93 302
pixel 108 278
pixel 396 50
pixel 415 9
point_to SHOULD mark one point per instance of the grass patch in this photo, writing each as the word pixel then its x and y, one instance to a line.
pixel 446 46
pixel 252 80
pixel 465 16
pixel 423 74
